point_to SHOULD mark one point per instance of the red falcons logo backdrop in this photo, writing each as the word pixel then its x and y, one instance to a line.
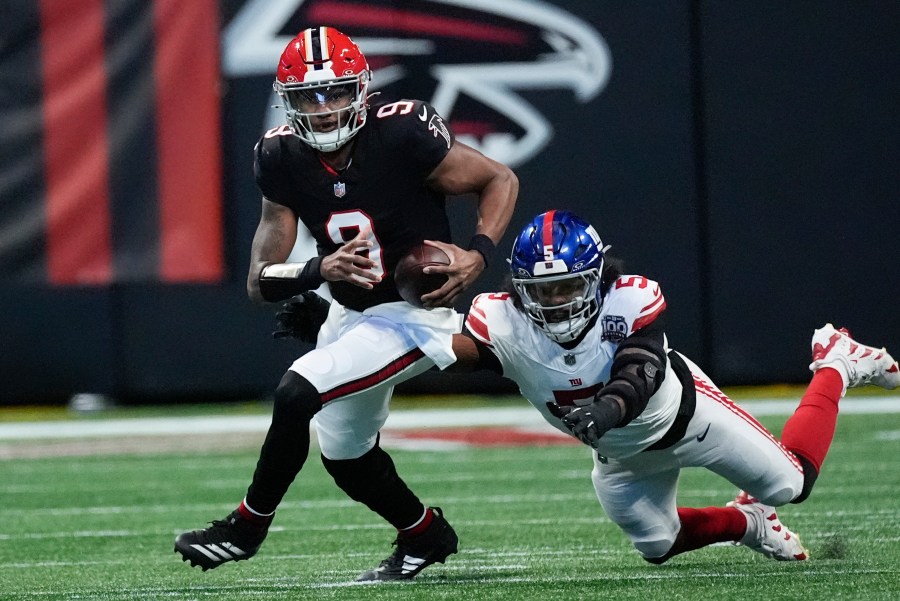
pixel 110 146
pixel 476 61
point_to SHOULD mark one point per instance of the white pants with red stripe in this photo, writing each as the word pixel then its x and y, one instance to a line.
pixel 639 493
pixel 360 357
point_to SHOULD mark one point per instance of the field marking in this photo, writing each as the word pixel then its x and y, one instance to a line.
pixel 522 417
pixel 432 581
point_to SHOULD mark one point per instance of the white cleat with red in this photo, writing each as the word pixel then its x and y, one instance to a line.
pixel 857 363
pixel 765 532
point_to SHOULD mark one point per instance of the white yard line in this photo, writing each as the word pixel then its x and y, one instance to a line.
pixel 523 417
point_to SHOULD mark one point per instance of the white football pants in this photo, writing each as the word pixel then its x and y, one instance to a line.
pixel 639 493
pixel 358 360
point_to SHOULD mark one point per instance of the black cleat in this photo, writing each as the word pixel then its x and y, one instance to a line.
pixel 415 553
pixel 231 539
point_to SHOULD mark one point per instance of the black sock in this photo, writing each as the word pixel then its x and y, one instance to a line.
pixel 373 481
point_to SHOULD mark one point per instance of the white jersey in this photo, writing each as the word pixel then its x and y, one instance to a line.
pixel 547 373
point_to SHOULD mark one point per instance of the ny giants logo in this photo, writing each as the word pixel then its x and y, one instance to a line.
pixel 471 59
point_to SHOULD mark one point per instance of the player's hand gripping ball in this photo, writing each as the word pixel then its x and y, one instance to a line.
pixel 412 282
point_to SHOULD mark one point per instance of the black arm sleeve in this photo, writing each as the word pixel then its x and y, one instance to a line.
pixel 638 370
pixel 276 289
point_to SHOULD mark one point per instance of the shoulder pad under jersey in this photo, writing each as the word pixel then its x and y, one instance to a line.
pixel 416 127
pixel 635 301
pixel 488 310
pixel 269 163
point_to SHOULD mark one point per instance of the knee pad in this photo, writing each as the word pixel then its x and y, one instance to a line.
pixel 810 474
pixel 296 398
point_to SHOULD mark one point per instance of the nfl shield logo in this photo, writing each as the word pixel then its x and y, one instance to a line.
pixel 340 189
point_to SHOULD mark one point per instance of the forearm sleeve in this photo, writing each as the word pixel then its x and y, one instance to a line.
pixel 638 370
pixel 284 280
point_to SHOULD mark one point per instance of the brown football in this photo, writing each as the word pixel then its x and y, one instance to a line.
pixel 411 282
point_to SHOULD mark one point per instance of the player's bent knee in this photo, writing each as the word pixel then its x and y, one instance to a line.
pixel 778 497
pixel 296 398
pixel 655 552
pixel 810 474
pixel 358 476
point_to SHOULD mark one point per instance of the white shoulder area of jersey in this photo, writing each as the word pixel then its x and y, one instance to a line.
pixel 492 316
pixel 636 299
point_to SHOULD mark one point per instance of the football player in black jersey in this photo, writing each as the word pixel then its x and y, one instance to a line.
pixel 369 182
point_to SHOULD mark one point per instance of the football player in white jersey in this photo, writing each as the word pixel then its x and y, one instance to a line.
pixel 588 348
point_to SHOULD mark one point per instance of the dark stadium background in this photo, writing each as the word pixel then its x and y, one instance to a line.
pixel 745 154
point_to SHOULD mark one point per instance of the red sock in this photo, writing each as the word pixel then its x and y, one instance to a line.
pixel 701 527
pixel 810 429
pixel 422 526
pixel 253 517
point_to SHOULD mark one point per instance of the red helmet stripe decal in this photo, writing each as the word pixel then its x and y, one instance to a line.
pixel 548 235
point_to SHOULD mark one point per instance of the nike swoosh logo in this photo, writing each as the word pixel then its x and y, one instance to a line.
pixel 702 437
pixel 424 115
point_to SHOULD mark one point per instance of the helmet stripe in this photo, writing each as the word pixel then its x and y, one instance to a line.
pixel 548 235
pixel 323 45
pixel 308 46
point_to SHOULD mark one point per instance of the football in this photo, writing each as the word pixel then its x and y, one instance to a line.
pixel 411 282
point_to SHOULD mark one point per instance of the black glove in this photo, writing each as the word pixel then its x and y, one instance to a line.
pixel 590 422
pixel 301 317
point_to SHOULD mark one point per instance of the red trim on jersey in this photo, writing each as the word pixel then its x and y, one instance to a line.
pixel 188 140
pixel 76 149
pixel 646 320
pixel 374 379
pixel 657 297
pixel 479 311
pixel 360 15
pixel 328 167
pixel 708 389
pixel 478 327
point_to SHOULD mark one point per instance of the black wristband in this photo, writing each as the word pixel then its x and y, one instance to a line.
pixel 484 245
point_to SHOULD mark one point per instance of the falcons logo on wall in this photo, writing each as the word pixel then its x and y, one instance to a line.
pixel 479 62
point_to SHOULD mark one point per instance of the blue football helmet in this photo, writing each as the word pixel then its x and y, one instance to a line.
pixel 556 264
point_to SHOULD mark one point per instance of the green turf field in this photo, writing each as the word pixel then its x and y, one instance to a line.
pixel 101 528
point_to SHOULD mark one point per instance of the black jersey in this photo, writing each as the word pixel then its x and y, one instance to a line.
pixel 383 188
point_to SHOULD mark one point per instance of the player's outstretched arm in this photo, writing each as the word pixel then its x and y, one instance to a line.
pixel 472 355
pixel 466 171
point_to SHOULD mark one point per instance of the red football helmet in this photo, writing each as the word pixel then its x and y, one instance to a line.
pixel 323 80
